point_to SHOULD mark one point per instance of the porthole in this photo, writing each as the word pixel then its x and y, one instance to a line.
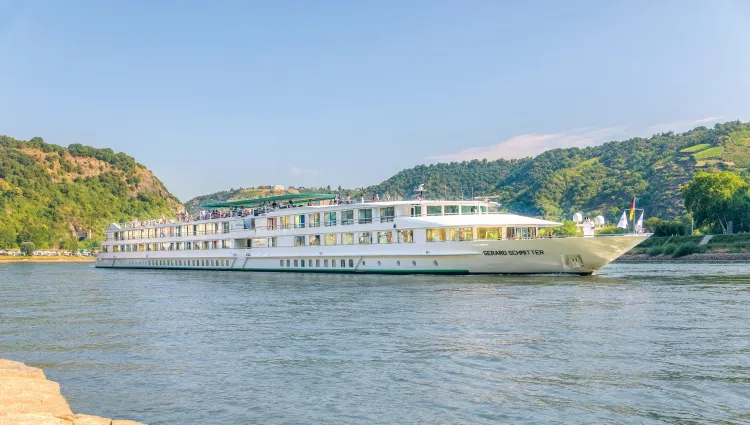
pixel 363 263
pixel 281 263
pixel 435 263
pixel 413 263
pixel 398 263
pixel 378 262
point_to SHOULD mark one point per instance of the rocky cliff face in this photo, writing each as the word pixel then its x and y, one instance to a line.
pixel 28 398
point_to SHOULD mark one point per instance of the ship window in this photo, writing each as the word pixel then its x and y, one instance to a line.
pixel 296 263
pixel 483 209
pixel 314 220
pixel 299 221
pixel 343 263
pixel 347 217
pixel 488 233
pixel 434 210
pixel 468 209
pixel 385 237
pixel 451 209
pixel 299 241
pixel 413 263
pixel 465 234
pixel 281 263
pixel 436 235
pixel 365 216
pixel 330 218
pixel 206 244
pixel 416 210
pixel 405 236
pixel 351 263
pixel 287 263
pixel 510 232
pixel 386 214
pixel 365 238
pixel 285 222
pixel 347 239
pixel 331 239
pixel 271 242
pixel 317 263
pixel 398 263
pixel 378 262
pixel 302 263
pixel 225 228
pixel 314 239
pixel 325 263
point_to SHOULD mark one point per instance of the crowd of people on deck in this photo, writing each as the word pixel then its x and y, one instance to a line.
pixel 184 217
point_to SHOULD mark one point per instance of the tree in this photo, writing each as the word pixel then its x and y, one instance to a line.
pixel 568 228
pixel 28 248
pixel 709 197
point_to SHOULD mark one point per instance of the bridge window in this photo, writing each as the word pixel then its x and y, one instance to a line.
pixel 434 210
pixel 451 209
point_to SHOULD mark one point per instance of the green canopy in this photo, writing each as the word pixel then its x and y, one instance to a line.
pixel 247 203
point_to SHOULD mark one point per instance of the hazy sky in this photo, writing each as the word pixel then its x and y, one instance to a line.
pixel 213 95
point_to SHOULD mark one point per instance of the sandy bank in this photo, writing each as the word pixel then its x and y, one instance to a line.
pixel 40 259
pixel 28 398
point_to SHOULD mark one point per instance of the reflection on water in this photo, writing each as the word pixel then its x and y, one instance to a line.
pixel 650 343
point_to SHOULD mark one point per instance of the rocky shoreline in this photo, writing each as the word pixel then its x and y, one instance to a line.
pixel 28 398
pixel 692 258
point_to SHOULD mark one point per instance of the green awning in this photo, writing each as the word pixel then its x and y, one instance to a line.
pixel 248 203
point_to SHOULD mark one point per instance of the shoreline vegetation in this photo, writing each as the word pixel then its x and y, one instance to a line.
pixel 707 257
pixel 45 259
pixel 27 397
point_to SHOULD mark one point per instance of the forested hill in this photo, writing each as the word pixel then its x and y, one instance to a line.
pixel 49 193
pixel 592 180
pixel 194 205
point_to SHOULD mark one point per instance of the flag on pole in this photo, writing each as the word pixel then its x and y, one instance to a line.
pixel 639 223
pixel 632 208
pixel 623 224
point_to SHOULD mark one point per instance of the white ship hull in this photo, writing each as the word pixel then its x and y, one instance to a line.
pixel 576 255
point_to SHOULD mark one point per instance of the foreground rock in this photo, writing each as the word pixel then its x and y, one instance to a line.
pixel 28 398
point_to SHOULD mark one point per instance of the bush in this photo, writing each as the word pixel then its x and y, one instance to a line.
pixel 28 248
pixel 668 249
pixel 655 250
pixel 689 248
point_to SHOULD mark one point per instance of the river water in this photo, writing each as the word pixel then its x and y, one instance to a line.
pixel 651 343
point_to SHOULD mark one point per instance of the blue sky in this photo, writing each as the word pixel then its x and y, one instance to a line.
pixel 230 94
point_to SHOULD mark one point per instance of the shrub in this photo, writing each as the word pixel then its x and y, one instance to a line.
pixel 654 250
pixel 689 248
pixel 28 248
pixel 668 249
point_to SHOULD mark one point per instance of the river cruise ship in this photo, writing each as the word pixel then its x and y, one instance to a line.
pixel 319 233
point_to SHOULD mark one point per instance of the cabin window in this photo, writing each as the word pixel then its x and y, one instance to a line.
pixel 343 263
pixel 465 234
pixel 347 239
pixel 347 217
pixel 287 263
pixel 483 209
pixel 226 244
pixel 299 241
pixel 365 238
pixel 299 221
pixel 302 263
pixel 296 263
pixel 351 263
pixel 317 263
pixel 271 223
pixel 451 209
pixel 387 214
pixel 330 218
pixel 325 263
pixel 488 233
pixel 385 237
pixel 331 239
pixel 281 263
pixel 225 227
pixel 314 239
pixel 434 210
pixel 405 236
pixel 286 222
pixel 365 216
pixel 416 210
pixel 116 248
pixel 315 220
pixel 206 244
pixel 272 242
pixel 436 235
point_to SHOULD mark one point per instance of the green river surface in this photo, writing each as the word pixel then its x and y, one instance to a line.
pixel 637 343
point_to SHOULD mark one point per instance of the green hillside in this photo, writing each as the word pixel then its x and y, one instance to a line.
pixel 193 206
pixel 49 194
pixel 594 180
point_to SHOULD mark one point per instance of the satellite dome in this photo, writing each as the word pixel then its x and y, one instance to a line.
pixel 578 217
pixel 599 220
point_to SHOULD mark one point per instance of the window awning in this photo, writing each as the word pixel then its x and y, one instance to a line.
pixel 249 203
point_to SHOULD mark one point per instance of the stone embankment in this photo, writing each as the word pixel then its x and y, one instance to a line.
pixel 692 258
pixel 28 398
